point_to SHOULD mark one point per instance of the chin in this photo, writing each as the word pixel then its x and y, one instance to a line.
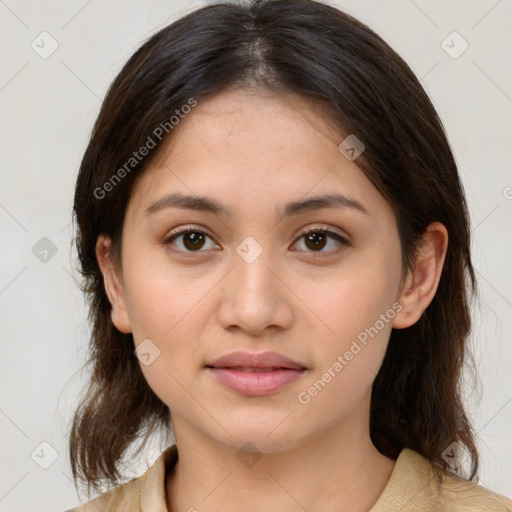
pixel 259 442
pixel 267 431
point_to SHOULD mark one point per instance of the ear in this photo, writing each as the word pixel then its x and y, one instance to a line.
pixel 113 284
pixel 421 282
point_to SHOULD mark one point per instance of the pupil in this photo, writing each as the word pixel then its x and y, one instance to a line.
pixel 318 240
pixel 193 240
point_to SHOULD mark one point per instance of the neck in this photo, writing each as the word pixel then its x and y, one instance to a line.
pixel 339 469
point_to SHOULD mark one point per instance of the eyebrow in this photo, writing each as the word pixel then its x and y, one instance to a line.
pixel 209 205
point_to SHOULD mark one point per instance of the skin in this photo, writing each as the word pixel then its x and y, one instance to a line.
pixel 253 152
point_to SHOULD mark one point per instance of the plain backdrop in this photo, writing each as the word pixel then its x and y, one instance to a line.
pixel 48 104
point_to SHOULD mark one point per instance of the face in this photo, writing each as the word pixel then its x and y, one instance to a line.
pixel 317 284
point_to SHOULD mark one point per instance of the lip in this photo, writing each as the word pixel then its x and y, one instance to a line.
pixel 255 360
pixel 255 374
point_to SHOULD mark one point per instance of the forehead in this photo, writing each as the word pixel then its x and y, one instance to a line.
pixel 251 148
pixel 249 122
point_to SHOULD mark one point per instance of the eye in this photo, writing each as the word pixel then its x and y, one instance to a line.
pixel 317 238
pixel 193 239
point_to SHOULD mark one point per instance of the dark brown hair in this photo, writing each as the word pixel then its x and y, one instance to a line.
pixel 325 55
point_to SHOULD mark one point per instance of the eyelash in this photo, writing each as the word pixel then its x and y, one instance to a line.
pixel 315 229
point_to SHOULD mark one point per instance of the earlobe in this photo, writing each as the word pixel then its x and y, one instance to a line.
pixel 423 279
pixel 113 285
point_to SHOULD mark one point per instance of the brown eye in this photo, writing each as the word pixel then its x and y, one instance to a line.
pixel 317 239
pixel 192 240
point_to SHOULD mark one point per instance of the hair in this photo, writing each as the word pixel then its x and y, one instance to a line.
pixel 323 54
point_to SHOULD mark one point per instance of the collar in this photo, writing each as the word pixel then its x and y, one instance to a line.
pixel 152 497
pixel 412 473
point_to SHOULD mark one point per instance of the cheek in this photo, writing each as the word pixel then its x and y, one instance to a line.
pixel 168 306
pixel 353 298
pixel 162 298
pixel 346 369
pixel 357 308
pixel 160 312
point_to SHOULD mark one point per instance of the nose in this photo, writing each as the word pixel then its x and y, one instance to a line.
pixel 255 297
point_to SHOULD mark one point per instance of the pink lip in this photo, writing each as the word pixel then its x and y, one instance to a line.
pixel 255 374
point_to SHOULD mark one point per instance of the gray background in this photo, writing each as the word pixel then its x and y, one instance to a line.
pixel 47 108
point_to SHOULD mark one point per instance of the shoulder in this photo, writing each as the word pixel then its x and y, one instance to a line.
pixel 146 492
pixel 414 487
pixel 465 496
pixel 125 497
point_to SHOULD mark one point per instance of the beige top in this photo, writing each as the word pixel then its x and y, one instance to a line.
pixel 411 488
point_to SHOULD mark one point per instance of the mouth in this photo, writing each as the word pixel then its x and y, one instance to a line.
pixel 255 374
pixel 249 369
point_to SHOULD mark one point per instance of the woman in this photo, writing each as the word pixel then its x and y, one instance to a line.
pixel 275 244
